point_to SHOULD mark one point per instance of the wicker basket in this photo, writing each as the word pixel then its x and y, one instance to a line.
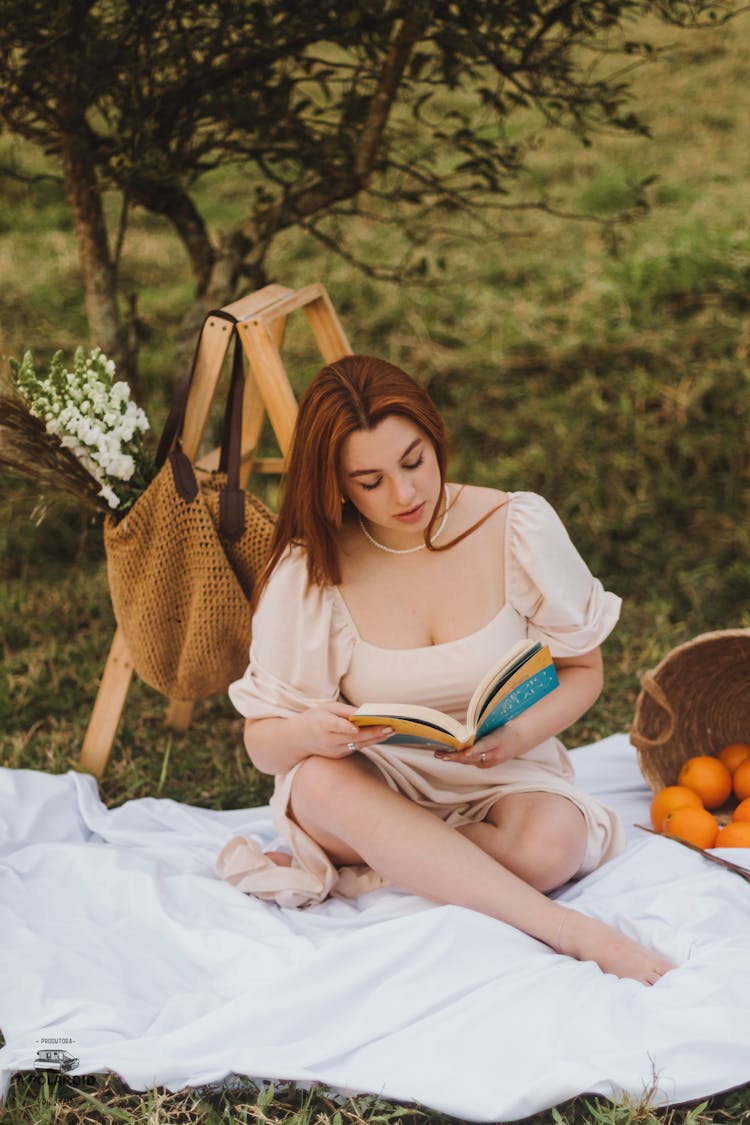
pixel 694 702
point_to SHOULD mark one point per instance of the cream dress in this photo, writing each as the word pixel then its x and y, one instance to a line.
pixel 306 650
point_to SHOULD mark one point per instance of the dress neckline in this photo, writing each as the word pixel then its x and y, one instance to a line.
pixel 442 644
pixel 419 648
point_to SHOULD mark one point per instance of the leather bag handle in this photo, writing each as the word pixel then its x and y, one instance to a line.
pixel 232 497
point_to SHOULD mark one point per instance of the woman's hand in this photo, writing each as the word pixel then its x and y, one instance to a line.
pixel 580 683
pixel 326 731
pixel 277 745
pixel 499 746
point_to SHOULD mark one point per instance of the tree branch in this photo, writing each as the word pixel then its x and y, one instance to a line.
pixel 299 206
pixel 390 80
pixel 32 178
pixel 122 227
pixel 378 273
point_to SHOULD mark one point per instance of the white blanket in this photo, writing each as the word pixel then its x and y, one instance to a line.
pixel 117 941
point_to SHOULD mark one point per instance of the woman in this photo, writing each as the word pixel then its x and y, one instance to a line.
pixel 385 582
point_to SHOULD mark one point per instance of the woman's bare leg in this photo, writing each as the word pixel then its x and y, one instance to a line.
pixel 541 837
pixel 346 806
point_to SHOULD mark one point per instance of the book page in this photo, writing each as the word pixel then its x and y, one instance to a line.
pixel 528 691
pixel 496 676
pixel 533 664
pixel 410 719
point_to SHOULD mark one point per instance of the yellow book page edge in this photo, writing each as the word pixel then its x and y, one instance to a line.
pixel 413 728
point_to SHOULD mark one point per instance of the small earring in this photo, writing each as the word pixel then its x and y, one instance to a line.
pixel 343 500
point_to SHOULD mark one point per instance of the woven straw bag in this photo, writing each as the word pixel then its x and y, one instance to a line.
pixel 183 561
pixel 696 701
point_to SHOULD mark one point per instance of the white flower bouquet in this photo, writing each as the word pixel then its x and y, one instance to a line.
pixel 76 431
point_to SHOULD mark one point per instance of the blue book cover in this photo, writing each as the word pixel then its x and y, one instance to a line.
pixel 528 692
pixel 524 675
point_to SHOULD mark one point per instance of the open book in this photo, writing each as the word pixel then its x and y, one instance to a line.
pixel 522 676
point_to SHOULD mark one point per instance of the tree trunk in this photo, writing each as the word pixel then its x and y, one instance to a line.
pixel 231 277
pixel 175 204
pixel 99 279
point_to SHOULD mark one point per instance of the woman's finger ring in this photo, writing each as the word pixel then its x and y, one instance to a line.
pixel 351 747
pixel 483 757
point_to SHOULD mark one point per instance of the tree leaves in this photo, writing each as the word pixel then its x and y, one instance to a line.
pixel 320 102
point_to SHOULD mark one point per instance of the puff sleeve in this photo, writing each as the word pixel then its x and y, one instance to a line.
pixel 301 646
pixel 550 585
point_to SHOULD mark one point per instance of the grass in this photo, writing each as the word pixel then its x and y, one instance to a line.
pixel 603 364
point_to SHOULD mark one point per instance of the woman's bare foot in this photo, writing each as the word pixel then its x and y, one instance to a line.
pixel 586 939
pixel 281 859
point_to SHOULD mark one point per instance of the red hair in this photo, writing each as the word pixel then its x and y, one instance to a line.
pixel 354 393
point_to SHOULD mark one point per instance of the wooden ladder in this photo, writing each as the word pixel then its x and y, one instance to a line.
pixel 261 322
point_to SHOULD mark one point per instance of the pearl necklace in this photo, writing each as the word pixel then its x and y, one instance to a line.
pixel 407 550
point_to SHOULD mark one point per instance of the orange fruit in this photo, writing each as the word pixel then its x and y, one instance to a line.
pixel 734 835
pixel 673 797
pixel 742 812
pixel 709 778
pixel 741 781
pixel 697 826
pixel 733 754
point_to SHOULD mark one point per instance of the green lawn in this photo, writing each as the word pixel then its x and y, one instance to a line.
pixel 603 365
